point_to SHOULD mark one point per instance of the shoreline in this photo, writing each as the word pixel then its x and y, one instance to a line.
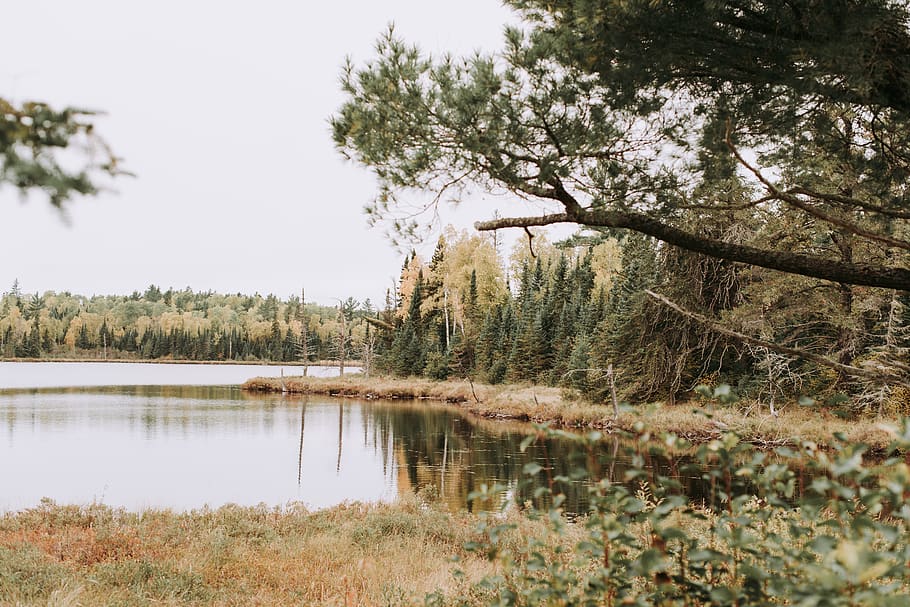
pixel 696 421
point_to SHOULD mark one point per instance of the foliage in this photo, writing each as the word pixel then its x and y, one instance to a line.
pixel 183 325
pixel 755 148
pixel 32 137
pixel 455 318
pixel 557 325
pixel 644 115
pixel 806 527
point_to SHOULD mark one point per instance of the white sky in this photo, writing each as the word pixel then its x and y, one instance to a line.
pixel 221 110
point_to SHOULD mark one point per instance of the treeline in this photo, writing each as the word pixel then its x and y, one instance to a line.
pixel 179 325
pixel 578 314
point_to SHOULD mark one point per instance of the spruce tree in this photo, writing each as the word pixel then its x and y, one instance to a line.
pixel 83 341
pixel 408 350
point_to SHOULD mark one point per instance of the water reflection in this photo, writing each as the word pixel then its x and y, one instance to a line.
pixel 183 447
pixel 300 451
pixel 47 374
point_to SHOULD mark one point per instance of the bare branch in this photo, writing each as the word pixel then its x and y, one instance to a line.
pixel 573 208
pixel 378 322
pixel 522 222
pixel 850 201
pixel 549 131
pixel 795 201
pixel 530 242
pixel 798 353
pixel 727 207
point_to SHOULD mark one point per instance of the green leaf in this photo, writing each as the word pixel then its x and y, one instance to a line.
pixel 527 442
pixel 531 468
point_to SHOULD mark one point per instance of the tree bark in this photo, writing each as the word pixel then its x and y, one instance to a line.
pixel 854 273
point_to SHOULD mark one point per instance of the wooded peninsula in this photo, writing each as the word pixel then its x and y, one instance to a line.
pixel 580 314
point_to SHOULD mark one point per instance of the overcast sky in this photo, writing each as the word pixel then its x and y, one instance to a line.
pixel 220 108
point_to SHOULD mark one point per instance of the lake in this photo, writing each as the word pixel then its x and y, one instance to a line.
pixel 70 374
pixel 186 446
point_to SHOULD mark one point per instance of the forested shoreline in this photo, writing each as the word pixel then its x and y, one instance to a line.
pixel 731 314
pixel 574 314
pixel 177 325
pixel 579 314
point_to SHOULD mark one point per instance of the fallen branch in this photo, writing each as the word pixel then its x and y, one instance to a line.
pixel 804 264
pixel 803 354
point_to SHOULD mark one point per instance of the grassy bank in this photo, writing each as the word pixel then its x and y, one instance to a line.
pixel 695 421
pixel 348 555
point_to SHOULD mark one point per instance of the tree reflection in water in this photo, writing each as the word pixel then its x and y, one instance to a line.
pixel 437 446
pixel 189 446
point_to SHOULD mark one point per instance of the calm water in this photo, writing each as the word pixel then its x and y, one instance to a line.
pixel 51 374
pixel 184 447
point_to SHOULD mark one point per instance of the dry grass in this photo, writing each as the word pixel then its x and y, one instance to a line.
pixel 370 387
pixel 363 555
pixel 698 423
pixel 348 555
pixel 695 421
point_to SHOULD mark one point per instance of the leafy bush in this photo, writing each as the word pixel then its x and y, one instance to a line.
pixel 805 527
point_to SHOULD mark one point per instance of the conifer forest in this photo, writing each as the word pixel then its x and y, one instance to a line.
pixel 575 314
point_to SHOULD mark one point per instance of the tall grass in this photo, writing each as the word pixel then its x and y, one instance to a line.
pixel 384 554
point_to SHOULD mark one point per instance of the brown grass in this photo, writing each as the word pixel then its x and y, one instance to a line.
pixel 696 421
pixel 370 387
pixel 348 555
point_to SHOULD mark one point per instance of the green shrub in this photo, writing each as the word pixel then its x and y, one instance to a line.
pixel 836 533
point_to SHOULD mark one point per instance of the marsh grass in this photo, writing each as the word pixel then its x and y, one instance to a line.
pixel 697 421
pixel 353 554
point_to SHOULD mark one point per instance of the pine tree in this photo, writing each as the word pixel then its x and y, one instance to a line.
pixel 618 337
pixel 408 350
pixel 579 363
pixel 31 343
pixel 83 341
pixel 276 342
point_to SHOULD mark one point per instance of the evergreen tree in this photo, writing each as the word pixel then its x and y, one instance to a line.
pixel 408 351
pixel 31 344
pixel 649 79
pixel 276 341
pixel 83 341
